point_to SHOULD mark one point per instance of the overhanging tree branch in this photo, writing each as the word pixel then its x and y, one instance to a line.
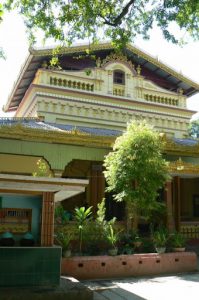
pixel 118 19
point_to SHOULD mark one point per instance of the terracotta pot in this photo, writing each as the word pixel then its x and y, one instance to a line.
pixel 66 253
pixel 113 251
pixel 160 249
pixel 179 249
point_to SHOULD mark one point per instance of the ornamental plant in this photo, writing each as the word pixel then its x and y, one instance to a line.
pixel 112 236
pixel 81 216
pixel 177 240
pixel 135 170
pixel 42 169
pixel 160 237
pixel 64 239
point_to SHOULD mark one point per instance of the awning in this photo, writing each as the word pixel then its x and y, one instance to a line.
pixel 62 188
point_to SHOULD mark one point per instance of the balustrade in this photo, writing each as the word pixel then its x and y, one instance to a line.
pixel 161 99
pixel 72 84
pixel 190 230
pixel 118 91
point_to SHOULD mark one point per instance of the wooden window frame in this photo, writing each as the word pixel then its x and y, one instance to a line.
pixel 116 77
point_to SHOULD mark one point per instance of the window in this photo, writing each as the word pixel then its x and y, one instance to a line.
pixel 16 220
pixel 119 77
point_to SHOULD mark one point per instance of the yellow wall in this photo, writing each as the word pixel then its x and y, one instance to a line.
pixel 18 164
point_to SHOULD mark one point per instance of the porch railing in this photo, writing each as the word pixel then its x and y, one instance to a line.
pixel 190 230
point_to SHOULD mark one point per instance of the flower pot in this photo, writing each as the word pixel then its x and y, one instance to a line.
pixel 160 249
pixel 137 244
pixel 113 251
pixel 178 249
pixel 7 239
pixel 66 253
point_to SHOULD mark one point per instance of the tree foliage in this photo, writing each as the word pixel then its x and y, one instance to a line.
pixel 194 129
pixel 1 18
pixel 120 21
pixel 42 169
pixel 135 169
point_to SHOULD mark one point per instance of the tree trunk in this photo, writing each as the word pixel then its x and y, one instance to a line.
pixel 131 217
pixel 135 220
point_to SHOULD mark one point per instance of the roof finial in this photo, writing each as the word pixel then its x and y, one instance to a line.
pixel 180 91
pixel 138 70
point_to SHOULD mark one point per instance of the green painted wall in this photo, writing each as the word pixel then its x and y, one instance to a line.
pixel 30 266
pixel 33 202
pixel 57 155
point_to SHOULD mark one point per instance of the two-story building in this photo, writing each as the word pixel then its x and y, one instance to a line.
pixel 70 115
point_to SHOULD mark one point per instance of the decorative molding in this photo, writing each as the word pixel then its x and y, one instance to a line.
pixel 174 148
pixel 109 113
pixel 115 57
pixel 181 167
pixel 143 105
pixel 74 137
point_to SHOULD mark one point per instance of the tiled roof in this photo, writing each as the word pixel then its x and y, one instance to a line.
pixel 186 142
pixel 26 122
pixel 89 130
pixel 37 124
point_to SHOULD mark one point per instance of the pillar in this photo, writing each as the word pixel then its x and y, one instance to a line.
pixel 97 185
pixel 47 222
pixel 177 202
pixel 58 173
pixel 169 206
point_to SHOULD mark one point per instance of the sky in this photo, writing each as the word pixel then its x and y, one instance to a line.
pixel 14 41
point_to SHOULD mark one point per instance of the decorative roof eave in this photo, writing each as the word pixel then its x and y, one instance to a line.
pixel 39 53
pixel 16 84
pixel 109 46
pixel 163 66
pixel 180 168
pixel 73 137
pixel 76 137
pixel 178 149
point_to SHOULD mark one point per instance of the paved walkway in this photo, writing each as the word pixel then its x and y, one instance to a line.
pixel 178 287
pixel 182 286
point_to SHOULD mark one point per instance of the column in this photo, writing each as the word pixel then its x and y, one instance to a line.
pixel 97 185
pixel 177 202
pixel 110 82
pixel 47 222
pixel 57 173
pixel 169 206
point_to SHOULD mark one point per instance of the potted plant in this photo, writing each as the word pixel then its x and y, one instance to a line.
pixel 160 238
pixel 178 242
pixel 64 240
pixel 27 240
pixel 137 241
pixel 7 239
pixel 126 242
pixel 112 238
pixel 81 216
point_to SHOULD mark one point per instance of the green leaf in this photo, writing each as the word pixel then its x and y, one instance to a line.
pixel 117 20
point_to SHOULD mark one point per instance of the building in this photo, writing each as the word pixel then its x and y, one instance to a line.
pixel 70 114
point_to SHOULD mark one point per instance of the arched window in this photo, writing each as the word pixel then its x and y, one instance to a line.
pixel 118 77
